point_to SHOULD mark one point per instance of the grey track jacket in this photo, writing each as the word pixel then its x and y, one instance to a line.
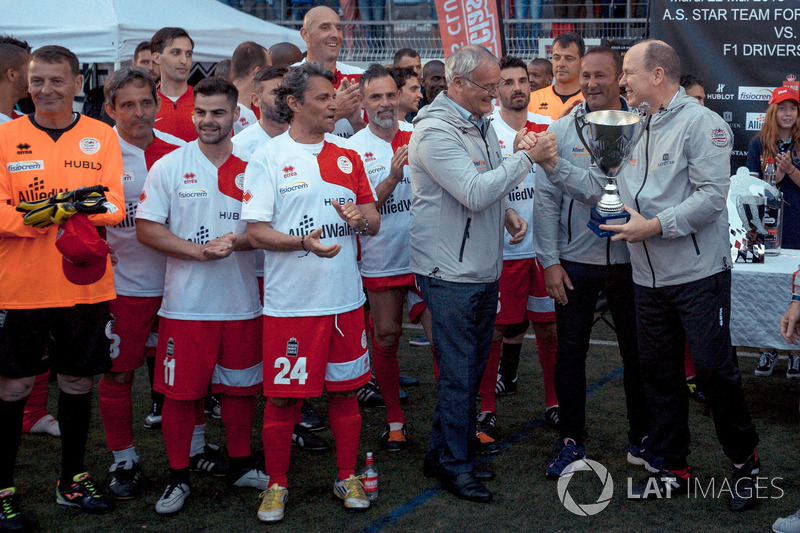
pixel 560 221
pixel 459 181
pixel 680 172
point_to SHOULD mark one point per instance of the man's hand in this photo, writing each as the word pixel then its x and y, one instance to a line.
pixel 555 279
pixel 636 229
pixel 399 160
pixel 546 147
pixel 348 99
pixel 350 213
pixel 516 226
pixel 524 140
pixel 790 323
pixel 313 245
pixel 219 248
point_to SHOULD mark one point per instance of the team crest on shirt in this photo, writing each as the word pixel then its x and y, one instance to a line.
pixel 719 138
pixel 239 181
pixel 288 172
pixel 344 164
pixel 89 145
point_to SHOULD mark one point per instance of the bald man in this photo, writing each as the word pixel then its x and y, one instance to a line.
pixel 285 54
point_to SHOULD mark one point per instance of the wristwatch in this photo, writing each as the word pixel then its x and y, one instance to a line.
pixel 363 231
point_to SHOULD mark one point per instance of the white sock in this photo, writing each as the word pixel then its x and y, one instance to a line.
pixel 128 454
pixel 198 440
pixel 394 426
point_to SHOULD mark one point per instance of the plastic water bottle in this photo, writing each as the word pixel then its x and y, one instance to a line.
pixel 773 211
pixel 370 478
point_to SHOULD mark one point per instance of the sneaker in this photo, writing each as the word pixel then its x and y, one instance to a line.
pixel 47 425
pixel 486 445
pixel 213 405
pixel 273 502
pixel 662 484
pixel 305 440
pixel 368 395
pixel 505 386
pixel 250 477
pixel 487 423
pixel 793 371
pixel 743 487
pixel 419 340
pixel 153 418
pixel 640 454
pixel 10 515
pixel 83 493
pixel 310 420
pixel 394 440
pixel 125 480
pixel 173 498
pixel 565 452
pixel 408 381
pixel 209 461
pixel 789 524
pixel 766 362
pixel 694 390
pixel 551 416
pixel 351 490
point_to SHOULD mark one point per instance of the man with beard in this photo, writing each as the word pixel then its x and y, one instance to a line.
pixel 522 295
pixel 552 100
pixel 13 78
pixel 143 57
pixel 409 94
pixel 208 331
pixel 383 146
pixel 172 50
pixel 433 81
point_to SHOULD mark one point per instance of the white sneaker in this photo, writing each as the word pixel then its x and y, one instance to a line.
pixel 790 524
pixel 273 502
pixel 173 498
pixel 253 478
pixel 47 425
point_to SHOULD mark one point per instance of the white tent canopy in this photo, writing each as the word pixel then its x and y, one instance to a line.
pixel 107 31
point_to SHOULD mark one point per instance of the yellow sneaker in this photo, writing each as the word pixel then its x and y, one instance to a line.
pixel 273 502
pixel 351 490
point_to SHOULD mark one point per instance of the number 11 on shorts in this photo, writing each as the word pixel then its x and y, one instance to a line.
pixel 169 364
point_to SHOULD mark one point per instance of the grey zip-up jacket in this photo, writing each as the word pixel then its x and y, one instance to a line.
pixel 680 172
pixel 560 221
pixel 459 182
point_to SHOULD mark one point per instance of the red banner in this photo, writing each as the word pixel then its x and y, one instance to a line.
pixel 463 22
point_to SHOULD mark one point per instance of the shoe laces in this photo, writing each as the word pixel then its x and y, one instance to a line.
pixel 271 498
pixel 7 505
pixel 354 486
pixel 794 363
pixel 85 482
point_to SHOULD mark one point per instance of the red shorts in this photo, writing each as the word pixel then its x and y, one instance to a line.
pixel 193 353
pixel 134 319
pixel 301 354
pixel 408 281
pixel 522 293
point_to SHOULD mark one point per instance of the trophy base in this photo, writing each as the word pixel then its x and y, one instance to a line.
pixel 597 218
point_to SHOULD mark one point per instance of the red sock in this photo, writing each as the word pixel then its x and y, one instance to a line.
pixel 178 421
pixel 199 413
pixel 489 379
pixel 277 436
pixel 346 427
pixel 36 406
pixel 387 374
pixel 435 366
pixel 688 363
pixel 547 358
pixel 116 410
pixel 238 413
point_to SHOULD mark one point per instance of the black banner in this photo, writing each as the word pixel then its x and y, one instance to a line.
pixel 742 49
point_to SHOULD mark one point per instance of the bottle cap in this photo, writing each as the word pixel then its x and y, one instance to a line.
pixel 770 160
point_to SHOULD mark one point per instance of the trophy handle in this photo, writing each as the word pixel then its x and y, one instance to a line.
pixel 643 110
pixel 580 125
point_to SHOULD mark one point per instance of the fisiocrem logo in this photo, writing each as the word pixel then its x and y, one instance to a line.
pixel 185 194
pixel 22 166
pixel 296 186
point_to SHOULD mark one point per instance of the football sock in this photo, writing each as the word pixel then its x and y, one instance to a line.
pixel 547 358
pixel 346 427
pixel 509 361
pixel 387 374
pixel 11 414
pixel 277 437
pixel 177 425
pixel 489 379
pixel 116 410
pixel 36 408
pixel 74 415
pixel 238 413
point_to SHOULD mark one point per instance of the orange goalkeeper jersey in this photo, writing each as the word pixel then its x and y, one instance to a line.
pixel 546 102
pixel 34 166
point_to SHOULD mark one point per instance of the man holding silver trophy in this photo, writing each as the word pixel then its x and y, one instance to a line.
pixel 674 188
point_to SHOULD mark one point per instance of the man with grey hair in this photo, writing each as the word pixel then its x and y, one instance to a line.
pixel 675 189
pixel 459 182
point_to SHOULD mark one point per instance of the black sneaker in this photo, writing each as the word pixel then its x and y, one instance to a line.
pixel 209 461
pixel 662 484
pixel 394 440
pixel 551 416
pixel 408 381
pixel 506 386
pixel 793 370
pixel 310 420
pixel 766 362
pixel 486 445
pixel 368 395
pixel 305 440
pixel 10 515
pixel 153 418
pixel 126 477
pixel 83 493
pixel 213 405
pixel 487 423
pixel 694 390
pixel 743 488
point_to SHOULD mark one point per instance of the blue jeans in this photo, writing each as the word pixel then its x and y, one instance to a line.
pixel 463 321
pixel 372 11
pixel 527 9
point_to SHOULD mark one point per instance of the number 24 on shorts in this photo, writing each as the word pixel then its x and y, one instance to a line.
pixel 297 372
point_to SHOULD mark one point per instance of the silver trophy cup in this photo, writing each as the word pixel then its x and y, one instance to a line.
pixel 612 136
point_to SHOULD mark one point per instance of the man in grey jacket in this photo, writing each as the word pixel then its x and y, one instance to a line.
pixel 459 182
pixel 675 189
pixel 578 265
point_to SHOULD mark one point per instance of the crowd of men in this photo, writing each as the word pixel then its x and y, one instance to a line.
pixel 218 215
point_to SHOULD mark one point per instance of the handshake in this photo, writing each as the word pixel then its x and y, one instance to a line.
pixel 540 146
pixel 57 209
